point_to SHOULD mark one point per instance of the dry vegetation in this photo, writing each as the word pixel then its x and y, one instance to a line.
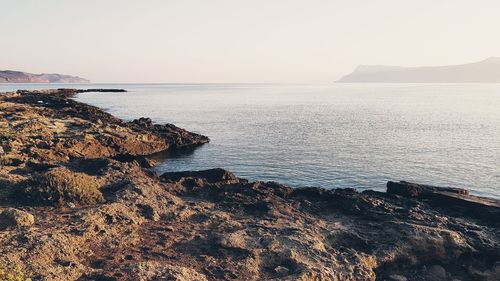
pixel 59 186
pixel 12 273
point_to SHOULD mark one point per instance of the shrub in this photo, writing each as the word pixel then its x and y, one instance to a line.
pixel 59 185
pixel 10 161
pixel 12 273
pixel 6 133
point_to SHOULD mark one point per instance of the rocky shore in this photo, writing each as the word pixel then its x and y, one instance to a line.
pixel 80 200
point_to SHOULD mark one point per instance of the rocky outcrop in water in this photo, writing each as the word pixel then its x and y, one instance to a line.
pixel 103 213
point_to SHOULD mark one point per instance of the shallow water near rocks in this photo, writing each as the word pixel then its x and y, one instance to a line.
pixel 339 135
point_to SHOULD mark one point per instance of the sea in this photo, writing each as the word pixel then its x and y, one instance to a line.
pixel 333 136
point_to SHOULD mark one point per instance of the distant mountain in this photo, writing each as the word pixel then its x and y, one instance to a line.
pixel 486 71
pixel 9 76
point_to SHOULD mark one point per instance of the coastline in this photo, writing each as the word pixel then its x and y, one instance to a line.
pixel 211 225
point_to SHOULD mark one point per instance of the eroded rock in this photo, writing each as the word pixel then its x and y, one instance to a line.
pixel 149 271
pixel 449 198
pixel 15 218
pixel 212 225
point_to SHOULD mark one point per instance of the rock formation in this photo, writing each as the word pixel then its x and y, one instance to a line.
pixel 209 225
pixel 486 71
pixel 9 76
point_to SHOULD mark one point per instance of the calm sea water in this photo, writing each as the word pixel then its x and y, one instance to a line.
pixel 340 135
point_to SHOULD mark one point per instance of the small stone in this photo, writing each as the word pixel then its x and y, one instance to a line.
pixel 397 277
pixel 235 240
pixel 43 145
pixel 15 218
pixel 281 270
pixel 436 273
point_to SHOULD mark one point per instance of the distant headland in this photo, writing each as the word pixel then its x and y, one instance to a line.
pixel 9 76
pixel 486 71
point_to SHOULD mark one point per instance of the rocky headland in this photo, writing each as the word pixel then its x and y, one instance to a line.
pixel 10 76
pixel 80 200
pixel 485 71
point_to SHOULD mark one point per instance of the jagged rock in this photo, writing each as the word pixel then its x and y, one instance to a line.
pixel 454 199
pixel 414 190
pixel 15 218
pixel 211 176
pixel 143 122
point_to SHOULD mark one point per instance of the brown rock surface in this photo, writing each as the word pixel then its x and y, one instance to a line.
pixel 211 225
pixel 15 218
pixel 456 199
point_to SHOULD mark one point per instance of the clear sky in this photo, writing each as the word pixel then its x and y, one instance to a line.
pixel 298 41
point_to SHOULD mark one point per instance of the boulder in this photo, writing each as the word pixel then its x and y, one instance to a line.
pixel 143 122
pixel 413 190
pixel 457 200
pixel 15 218
pixel 211 175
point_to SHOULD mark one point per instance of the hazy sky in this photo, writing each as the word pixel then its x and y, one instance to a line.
pixel 300 41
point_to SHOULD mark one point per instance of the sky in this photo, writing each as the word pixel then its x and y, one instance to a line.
pixel 236 41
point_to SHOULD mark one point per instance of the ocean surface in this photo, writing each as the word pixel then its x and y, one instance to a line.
pixel 338 135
